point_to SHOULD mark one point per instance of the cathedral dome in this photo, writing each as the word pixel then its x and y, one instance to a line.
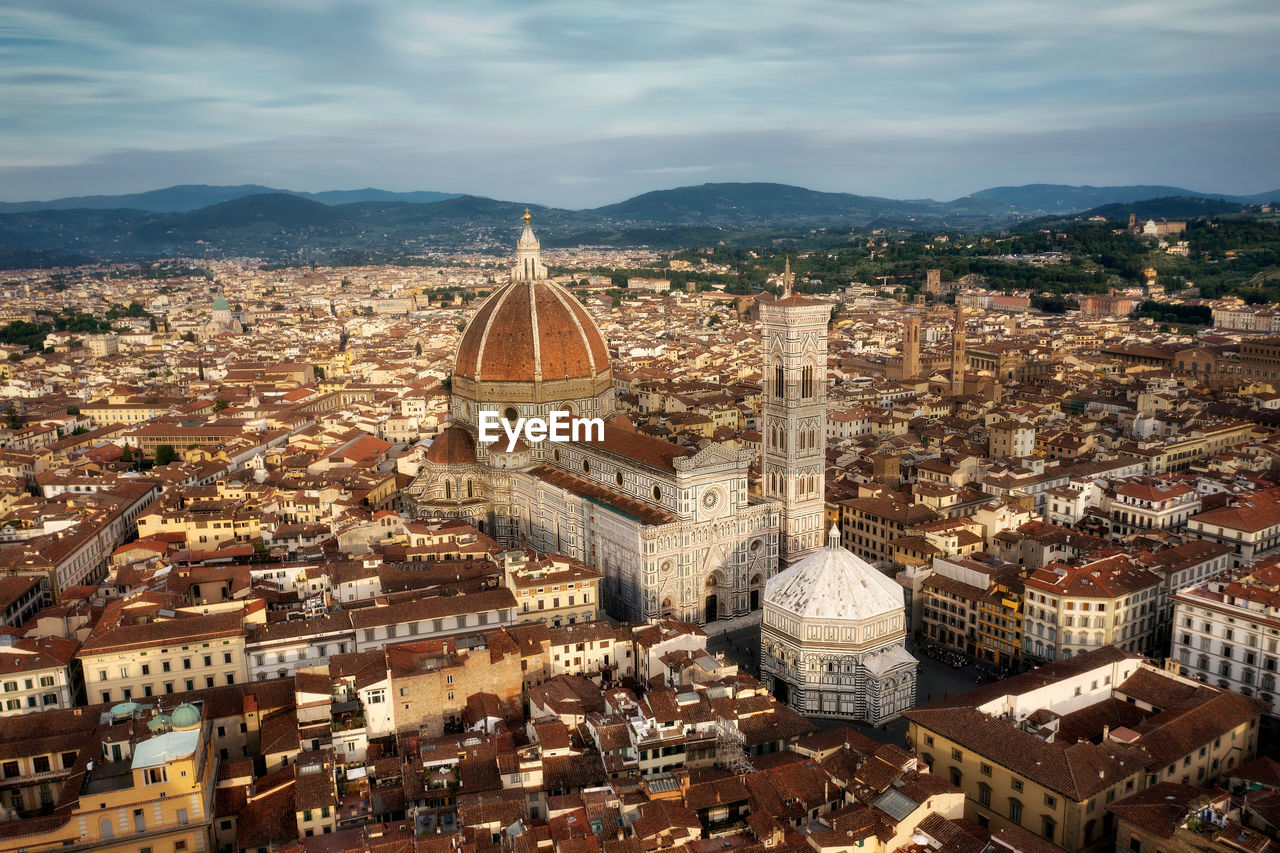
pixel 531 348
pixel 531 331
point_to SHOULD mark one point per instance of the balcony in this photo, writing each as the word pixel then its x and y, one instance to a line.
pixel 346 716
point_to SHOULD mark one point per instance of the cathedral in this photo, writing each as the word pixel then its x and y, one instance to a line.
pixel 674 532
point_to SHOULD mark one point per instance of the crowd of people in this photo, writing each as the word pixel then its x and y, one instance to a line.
pixel 948 656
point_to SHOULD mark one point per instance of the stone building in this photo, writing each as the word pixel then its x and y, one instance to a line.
pixel 833 638
pixel 672 531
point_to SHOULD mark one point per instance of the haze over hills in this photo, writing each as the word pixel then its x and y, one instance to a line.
pixel 257 221
pixel 1060 198
pixel 186 197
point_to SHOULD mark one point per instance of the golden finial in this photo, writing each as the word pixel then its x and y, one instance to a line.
pixel 527 217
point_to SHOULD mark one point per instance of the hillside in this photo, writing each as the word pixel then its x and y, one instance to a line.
pixel 743 205
pixel 283 225
pixel 189 197
pixel 1173 207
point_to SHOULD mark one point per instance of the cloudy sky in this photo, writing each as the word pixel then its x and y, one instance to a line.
pixel 584 103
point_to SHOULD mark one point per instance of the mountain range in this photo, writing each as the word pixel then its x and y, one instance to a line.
pixel 195 196
pixel 252 220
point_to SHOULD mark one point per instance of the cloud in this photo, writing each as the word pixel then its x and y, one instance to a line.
pixel 920 91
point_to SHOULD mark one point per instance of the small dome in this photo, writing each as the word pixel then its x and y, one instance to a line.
pixel 124 709
pixel 221 304
pixel 185 716
pixel 454 446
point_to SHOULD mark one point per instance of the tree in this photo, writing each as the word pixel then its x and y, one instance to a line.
pixel 127 454
pixel 219 405
pixel 165 454
pixel 417 349
pixel 12 419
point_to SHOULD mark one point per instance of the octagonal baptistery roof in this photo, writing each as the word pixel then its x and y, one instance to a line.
pixel 833 583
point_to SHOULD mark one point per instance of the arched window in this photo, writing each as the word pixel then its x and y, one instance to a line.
pixel 470 489
pixel 448 490
pixel 778 390
pixel 1015 810
pixel 984 794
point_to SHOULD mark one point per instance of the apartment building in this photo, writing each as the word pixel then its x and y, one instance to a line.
pixel 1010 439
pixel 554 590
pixel 140 778
pixel 1138 505
pixel 133 655
pixel 869 526
pixel 1250 525
pixel 1073 609
pixel 974 608
pixel 36 674
pixel 1042 751
pixel 1226 632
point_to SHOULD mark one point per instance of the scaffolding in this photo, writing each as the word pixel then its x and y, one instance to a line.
pixel 731 751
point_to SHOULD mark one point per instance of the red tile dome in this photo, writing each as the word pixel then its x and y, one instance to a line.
pixel 531 331
pixel 454 446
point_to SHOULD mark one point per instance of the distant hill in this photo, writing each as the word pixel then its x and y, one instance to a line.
pixel 371 194
pixel 754 204
pixel 376 224
pixel 195 196
pixel 1269 197
pixel 1059 198
pixel 1173 207
pixel 273 212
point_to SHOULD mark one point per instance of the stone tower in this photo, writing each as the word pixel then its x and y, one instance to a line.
pixel 933 282
pixel 795 417
pixel 910 346
pixel 957 352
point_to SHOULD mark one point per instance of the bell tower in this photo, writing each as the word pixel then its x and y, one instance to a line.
pixel 795 417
